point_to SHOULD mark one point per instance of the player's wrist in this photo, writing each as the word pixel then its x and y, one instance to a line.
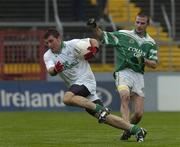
pixel 59 67
pixel 145 60
pixel 94 50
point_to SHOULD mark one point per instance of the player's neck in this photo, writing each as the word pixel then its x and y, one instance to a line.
pixel 141 34
pixel 58 51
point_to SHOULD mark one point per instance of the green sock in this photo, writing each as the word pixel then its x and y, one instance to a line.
pixel 98 107
pixel 134 129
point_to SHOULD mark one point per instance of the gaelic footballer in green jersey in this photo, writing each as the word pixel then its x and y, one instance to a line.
pixel 135 49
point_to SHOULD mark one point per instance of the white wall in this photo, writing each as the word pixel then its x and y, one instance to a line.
pixel 168 93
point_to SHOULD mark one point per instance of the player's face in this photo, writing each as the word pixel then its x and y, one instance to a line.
pixel 141 24
pixel 53 43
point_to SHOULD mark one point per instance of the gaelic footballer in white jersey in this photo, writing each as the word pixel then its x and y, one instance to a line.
pixel 76 69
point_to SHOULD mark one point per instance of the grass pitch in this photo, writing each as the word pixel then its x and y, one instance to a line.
pixel 78 129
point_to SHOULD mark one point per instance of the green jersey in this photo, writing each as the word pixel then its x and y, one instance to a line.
pixel 131 49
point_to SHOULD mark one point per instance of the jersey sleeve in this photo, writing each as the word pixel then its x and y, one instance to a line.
pixel 110 38
pixel 80 47
pixel 48 62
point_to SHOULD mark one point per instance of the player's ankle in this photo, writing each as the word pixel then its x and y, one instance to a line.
pixel 134 129
pixel 98 108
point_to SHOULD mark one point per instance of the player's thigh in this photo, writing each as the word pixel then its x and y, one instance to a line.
pixel 123 83
pixel 80 90
pixel 75 89
pixel 123 78
pixel 138 86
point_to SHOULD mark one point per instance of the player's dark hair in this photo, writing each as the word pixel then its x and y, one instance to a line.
pixel 144 14
pixel 52 32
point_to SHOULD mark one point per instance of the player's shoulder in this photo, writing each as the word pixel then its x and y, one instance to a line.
pixel 68 42
pixel 125 31
pixel 150 39
pixel 73 42
pixel 47 53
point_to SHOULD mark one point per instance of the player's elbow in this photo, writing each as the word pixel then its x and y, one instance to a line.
pixel 154 64
pixel 94 43
pixel 51 72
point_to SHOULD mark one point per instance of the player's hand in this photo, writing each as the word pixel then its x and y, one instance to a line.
pixel 91 23
pixel 59 67
pixel 92 52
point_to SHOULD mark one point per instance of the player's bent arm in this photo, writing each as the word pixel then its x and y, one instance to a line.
pixel 52 68
pixel 150 63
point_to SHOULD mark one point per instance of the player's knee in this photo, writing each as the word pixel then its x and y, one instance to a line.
pixel 124 92
pixel 125 97
pixel 68 98
pixel 66 101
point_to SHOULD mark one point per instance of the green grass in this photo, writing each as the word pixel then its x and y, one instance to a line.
pixel 78 129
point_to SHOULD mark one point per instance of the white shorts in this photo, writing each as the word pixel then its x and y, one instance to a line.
pixel 132 79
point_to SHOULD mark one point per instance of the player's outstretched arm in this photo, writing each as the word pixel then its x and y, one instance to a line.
pixel 96 29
